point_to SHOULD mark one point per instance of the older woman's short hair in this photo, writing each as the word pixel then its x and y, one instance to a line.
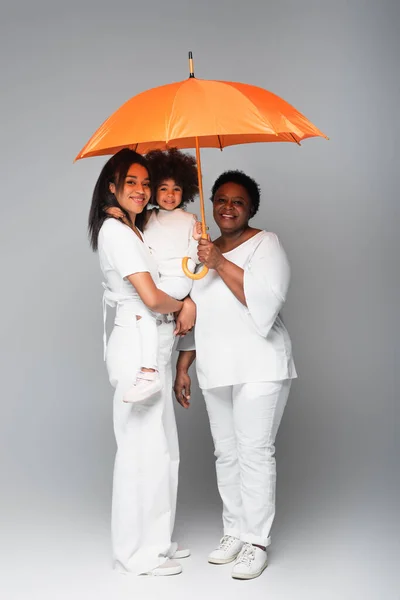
pixel 240 178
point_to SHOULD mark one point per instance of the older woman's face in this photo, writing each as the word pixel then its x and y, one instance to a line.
pixel 232 207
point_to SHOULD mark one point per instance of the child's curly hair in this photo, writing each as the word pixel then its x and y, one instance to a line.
pixel 176 165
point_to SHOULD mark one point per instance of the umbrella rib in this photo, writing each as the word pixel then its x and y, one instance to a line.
pixel 219 142
pixel 297 142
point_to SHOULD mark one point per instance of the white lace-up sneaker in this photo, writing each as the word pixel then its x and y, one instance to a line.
pixel 228 549
pixel 169 567
pixel 147 385
pixel 250 563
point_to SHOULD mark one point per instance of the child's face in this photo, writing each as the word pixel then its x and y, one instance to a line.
pixel 169 195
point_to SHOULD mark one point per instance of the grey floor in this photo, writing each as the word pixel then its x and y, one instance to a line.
pixel 335 537
pixel 57 548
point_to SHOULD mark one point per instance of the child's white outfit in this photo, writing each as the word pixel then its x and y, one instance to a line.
pixel 169 236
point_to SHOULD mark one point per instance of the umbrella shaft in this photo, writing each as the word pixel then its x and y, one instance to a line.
pixel 200 178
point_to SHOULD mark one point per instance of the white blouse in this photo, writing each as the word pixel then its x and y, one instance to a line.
pixel 237 344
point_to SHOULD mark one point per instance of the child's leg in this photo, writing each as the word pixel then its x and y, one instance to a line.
pixel 176 286
pixel 148 380
pixel 149 341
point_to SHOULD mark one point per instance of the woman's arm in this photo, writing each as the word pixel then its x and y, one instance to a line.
pixel 231 274
pixel 182 379
pixel 187 317
pixel 151 296
pixel 121 247
pixel 233 277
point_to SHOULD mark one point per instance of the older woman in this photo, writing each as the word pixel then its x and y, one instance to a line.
pixel 244 367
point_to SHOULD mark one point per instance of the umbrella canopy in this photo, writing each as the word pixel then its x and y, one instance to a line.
pixel 199 113
pixel 218 113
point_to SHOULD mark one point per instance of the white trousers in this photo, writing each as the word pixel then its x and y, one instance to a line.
pixel 148 331
pixel 244 420
pixel 147 460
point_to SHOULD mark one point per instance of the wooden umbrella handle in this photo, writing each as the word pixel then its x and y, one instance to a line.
pixel 191 275
pixel 185 268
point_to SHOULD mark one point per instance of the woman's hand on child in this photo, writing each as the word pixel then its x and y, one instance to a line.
pixel 116 213
pixel 186 318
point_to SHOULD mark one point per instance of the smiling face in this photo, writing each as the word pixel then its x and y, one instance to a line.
pixel 232 207
pixel 169 195
pixel 135 192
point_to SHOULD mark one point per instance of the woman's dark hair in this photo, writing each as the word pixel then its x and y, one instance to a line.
pixel 114 171
pixel 240 178
pixel 176 165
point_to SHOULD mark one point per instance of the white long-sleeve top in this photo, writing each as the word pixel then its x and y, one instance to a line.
pixel 237 344
pixel 169 237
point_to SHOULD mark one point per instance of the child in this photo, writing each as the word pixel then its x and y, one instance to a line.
pixel 171 233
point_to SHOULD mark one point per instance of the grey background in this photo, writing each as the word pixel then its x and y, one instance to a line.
pixel 65 66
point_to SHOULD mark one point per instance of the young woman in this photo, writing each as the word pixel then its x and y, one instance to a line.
pixel 147 459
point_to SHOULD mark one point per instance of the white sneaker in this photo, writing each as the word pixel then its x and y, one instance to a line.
pixel 181 553
pixel 169 567
pixel 228 549
pixel 250 563
pixel 146 386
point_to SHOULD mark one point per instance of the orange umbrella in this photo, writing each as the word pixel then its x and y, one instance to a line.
pixel 202 114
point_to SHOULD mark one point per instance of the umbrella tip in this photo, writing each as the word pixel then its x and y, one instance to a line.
pixel 191 68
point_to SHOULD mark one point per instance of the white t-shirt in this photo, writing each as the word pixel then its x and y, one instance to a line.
pixel 237 344
pixel 121 253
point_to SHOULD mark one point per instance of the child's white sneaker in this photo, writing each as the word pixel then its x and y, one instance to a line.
pixel 250 563
pixel 147 384
pixel 169 567
pixel 181 553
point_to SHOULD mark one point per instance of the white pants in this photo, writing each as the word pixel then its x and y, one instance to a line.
pixel 148 331
pixel 147 459
pixel 244 420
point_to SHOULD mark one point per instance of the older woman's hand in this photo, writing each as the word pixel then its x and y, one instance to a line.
pixel 182 388
pixel 209 254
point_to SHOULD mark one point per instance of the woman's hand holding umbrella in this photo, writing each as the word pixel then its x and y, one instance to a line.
pixel 209 254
